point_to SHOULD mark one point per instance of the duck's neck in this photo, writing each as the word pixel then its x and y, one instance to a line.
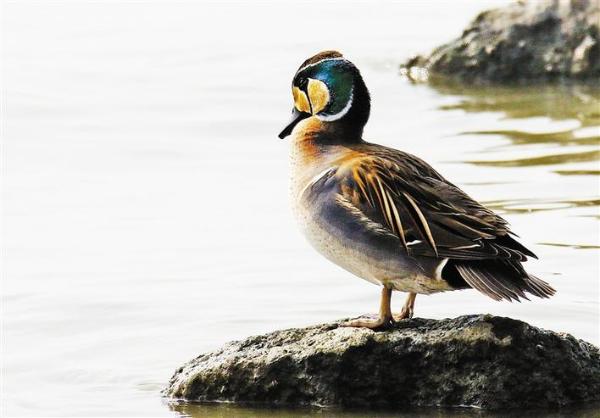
pixel 315 148
pixel 313 139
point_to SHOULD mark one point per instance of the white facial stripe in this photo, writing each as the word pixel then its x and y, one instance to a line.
pixel 341 113
pixel 320 61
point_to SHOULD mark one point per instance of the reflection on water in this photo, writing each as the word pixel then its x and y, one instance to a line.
pixel 578 172
pixel 571 157
pixel 559 102
pixel 538 205
pixel 574 246
pixel 226 411
pixel 579 103
pixel 569 137
pixel 542 111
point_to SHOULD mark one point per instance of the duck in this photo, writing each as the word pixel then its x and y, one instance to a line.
pixel 385 215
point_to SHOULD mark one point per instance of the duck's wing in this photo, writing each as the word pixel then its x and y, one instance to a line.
pixel 431 216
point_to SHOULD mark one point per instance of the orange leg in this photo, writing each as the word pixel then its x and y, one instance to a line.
pixel 408 309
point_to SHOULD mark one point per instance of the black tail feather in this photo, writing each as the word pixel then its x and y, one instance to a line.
pixel 538 287
pixel 501 279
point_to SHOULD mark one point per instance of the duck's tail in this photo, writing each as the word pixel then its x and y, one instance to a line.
pixel 501 279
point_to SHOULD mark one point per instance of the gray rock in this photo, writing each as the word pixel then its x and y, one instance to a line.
pixel 529 40
pixel 477 360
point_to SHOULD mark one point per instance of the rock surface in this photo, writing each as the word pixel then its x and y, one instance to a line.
pixel 528 40
pixel 477 360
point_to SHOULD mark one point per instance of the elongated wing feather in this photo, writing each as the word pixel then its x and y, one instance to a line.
pixel 431 216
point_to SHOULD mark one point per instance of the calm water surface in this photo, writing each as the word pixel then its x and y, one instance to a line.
pixel 145 194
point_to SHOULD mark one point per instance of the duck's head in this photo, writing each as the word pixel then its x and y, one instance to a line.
pixel 330 88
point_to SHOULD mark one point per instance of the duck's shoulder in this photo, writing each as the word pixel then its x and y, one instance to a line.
pixel 389 163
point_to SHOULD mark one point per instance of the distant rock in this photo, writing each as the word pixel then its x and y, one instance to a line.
pixel 477 360
pixel 538 40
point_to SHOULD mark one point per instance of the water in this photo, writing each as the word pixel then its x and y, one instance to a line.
pixel 226 411
pixel 145 209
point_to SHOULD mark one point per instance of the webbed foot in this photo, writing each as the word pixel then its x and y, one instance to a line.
pixel 380 323
pixel 384 319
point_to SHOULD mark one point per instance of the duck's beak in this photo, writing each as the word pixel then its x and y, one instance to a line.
pixel 297 116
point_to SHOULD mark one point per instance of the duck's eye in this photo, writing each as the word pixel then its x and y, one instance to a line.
pixel 302 82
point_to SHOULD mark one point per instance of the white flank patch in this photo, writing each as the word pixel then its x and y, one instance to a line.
pixel 466 247
pixel 439 268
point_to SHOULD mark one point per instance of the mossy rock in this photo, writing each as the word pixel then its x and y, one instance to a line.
pixel 478 360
